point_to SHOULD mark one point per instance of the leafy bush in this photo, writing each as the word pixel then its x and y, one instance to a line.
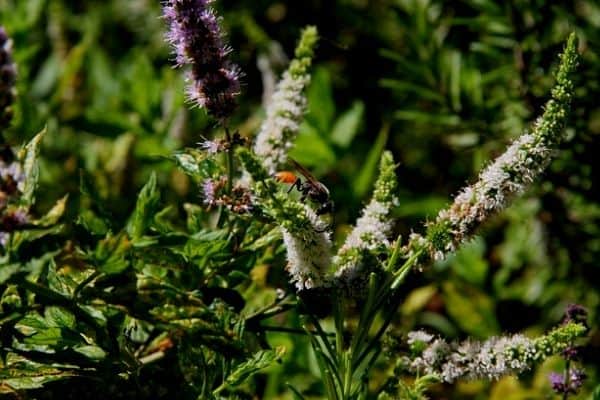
pixel 152 250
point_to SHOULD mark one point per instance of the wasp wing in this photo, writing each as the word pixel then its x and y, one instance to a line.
pixel 309 177
pixel 306 173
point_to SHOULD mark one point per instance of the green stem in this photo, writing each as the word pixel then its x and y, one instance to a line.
pixel 229 160
pixel 567 379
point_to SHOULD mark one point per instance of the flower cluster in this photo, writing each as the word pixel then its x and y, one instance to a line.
pixel 197 40
pixel 287 106
pixel 374 227
pixel 510 174
pixel 12 180
pixel 8 74
pixel 306 236
pixel 214 194
pixel 12 177
pixel 568 384
pixel 572 378
pixel 491 359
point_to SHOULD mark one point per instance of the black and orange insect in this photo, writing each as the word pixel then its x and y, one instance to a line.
pixel 310 188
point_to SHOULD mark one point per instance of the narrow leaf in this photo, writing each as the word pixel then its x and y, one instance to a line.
pixel 347 125
pixel 145 209
pixel 29 155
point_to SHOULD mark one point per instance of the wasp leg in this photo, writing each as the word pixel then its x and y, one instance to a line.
pixel 297 184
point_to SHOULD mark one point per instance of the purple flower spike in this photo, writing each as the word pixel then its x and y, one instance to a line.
pixel 558 382
pixel 197 41
pixel 576 379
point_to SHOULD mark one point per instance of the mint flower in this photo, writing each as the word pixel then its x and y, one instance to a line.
pixel 308 247
pixel 287 106
pixel 569 384
pixel 510 174
pixel 194 33
pixel 491 359
pixel 374 227
pixel 306 236
pixel 8 75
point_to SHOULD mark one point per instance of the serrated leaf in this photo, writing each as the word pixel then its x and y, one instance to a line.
pixel 91 352
pixel 46 375
pixel 260 360
pixel 188 162
pixel 145 209
pixel 54 214
pixel 196 165
pixel 59 317
pixel 92 223
pixel 29 155
pixel 7 272
pixel 346 127
pixel 20 237
pixel 109 256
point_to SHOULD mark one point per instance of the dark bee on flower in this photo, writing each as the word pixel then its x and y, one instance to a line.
pixel 310 187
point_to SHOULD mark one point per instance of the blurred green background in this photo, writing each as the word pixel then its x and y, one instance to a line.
pixel 444 85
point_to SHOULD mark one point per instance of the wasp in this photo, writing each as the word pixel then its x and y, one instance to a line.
pixel 310 188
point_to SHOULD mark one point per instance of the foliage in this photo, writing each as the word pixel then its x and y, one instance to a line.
pixel 129 278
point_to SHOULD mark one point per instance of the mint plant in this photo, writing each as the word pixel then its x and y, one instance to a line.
pixel 160 305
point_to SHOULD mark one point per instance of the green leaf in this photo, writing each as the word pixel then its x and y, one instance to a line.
pixel 109 256
pixel 91 352
pixel 34 379
pixel 19 373
pixel 469 262
pixel 142 85
pixel 194 163
pixel 421 91
pixel 455 61
pixel 54 214
pixel 7 272
pixel 427 118
pixel 596 393
pixel 471 309
pixel 347 125
pixel 321 106
pixel 59 317
pixel 92 223
pixel 145 209
pixel 362 183
pixel 29 155
pixel 243 371
pixel 312 150
pixel 189 162
pixel 418 299
pixel 30 235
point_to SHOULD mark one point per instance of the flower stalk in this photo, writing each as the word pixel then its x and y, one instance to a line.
pixel 197 41
pixel 287 106
pixel 510 174
pixel 490 359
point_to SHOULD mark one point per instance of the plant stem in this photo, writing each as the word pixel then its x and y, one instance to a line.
pixel 229 160
pixel 567 379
